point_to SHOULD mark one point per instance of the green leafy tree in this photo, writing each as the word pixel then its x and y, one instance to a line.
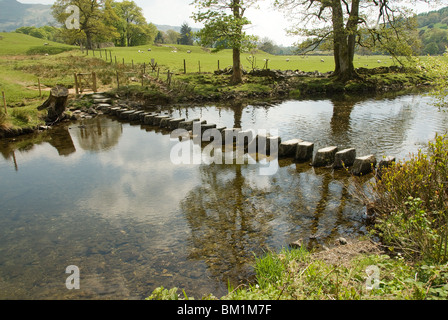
pixel 95 21
pixel 224 22
pixel 186 35
pixel 160 37
pixel 172 37
pixel 380 24
pixel 132 25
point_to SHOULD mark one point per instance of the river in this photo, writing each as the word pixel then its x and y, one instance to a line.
pixel 103 195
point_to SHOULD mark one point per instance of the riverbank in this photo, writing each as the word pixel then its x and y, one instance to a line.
pixel 259 86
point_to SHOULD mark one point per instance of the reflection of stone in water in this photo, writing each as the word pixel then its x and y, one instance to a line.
pixel 99 134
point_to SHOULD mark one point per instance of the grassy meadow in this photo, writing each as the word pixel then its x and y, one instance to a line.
pixel 25 60
pixel 173 56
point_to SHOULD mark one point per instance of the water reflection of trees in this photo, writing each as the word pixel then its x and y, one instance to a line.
pixel 99 134
pixel 228 221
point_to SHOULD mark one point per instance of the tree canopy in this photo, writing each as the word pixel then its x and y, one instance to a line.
pixel 382 24
pixel 224 22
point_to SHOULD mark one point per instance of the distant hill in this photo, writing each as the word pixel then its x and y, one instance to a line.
pixel 14 14
pixel 165 28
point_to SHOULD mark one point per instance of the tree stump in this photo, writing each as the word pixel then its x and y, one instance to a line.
pixel 55 104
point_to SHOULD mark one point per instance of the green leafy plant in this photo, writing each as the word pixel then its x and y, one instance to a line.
pixel 411 203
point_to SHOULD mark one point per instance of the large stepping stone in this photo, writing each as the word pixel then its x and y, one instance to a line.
pixel 126 114
pixel 344 158
pixel 325 157
pixel 188 125
pixel 157 119
pixel 364 165
pixel 174 123
pixel 288 148
pixel 304 151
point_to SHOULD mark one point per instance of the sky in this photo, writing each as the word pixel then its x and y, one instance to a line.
pixel 266 21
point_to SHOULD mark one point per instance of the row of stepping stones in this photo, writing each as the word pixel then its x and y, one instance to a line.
pixel 301 151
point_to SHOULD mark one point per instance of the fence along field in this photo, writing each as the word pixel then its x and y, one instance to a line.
pixel 19 53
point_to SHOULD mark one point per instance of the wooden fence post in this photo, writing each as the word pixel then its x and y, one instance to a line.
pixel 185 67
pixel 4 102
pixel 199 62
pixel 76 84
pixel 218 65
pixel 94 82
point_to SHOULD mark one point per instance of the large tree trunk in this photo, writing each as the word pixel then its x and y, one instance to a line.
pixel 55 104
pixel 344 40
pixel 237 74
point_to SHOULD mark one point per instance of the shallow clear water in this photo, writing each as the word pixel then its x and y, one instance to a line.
pixel 107 198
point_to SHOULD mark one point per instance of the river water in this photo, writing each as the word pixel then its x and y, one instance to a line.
pixel 104 195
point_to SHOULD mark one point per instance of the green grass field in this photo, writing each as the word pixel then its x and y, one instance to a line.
pixel 25 59
pixel 172 57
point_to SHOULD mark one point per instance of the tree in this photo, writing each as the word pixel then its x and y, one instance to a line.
pixel 224 22
pixel 172 36
pixel 382 24
pixel 186 35
pixel 132 25
pixel 94 20
pixel 160 37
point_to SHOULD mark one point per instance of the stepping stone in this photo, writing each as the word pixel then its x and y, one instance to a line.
pixel 364 165
pixel 157 119
pixel 114 111
pixel 126 114
pixel 103 100
pixel 164 123
pixel 174 123
pixel 304 151
pixel 149 119
pixel 135 116
pixel 142 115
pixel 288 148
pixel 325 157
pixel 105 107
pixel 98 96
pixel 188 125
pixel 384 163
pixel 345 158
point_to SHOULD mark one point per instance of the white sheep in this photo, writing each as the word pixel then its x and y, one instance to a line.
pixel 322 60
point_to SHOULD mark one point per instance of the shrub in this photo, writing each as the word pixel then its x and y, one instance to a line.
pixel 411 203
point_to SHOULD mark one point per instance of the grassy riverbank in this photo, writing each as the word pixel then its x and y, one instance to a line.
pixel 26 61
